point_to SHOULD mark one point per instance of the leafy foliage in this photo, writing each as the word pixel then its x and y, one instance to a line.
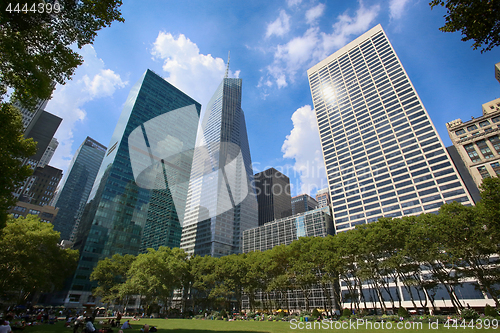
pixel 402 312
pixel 30 258
pixel 489 311
pixel 36 47
pixel 111 273
pixel 35 53
pixel 455 246
pixel 469 314
pixel 478 20
pixel 13 149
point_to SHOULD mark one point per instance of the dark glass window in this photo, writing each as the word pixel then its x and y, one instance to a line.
pixel 471 128
pixel 485 150
pixel 484 123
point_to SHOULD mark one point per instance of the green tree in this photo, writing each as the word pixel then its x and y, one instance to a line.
pixel 110 274
pixel 229 277
pixel 36 47
pixel 465 237
pixel 154 275
pixel 202 270
pixel 399 264
pixel 331 265
pixel 30 258
pixel 254 278
pixel 427 246
pixel 477 20
pixel 35 53
pixel 13 149
pixel 489 208
pixel 277 265
pixel 303 270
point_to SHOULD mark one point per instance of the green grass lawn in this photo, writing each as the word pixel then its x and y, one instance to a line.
pixel 199 326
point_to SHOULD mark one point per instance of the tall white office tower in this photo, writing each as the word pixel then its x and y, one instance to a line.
pixel 382 153
pixel 221 198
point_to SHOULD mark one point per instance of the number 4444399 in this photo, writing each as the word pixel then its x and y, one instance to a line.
pixel 40 7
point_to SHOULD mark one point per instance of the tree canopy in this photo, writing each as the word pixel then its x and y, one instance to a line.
pixel 30 258
pixel 36 47
pixel 13 149
pixel 36 52
pixel 477 20
pixel 423 256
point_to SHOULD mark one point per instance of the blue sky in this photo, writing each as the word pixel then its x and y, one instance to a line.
pixel 272 45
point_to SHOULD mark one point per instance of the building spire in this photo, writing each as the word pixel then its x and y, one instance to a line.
pixel 227 67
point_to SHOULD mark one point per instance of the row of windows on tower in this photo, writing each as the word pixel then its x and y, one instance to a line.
pixel 484 148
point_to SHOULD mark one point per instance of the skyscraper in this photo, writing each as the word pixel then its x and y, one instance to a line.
pixel 273 195
pixel 42 130
pixel 323 198
pixel 497 71
pixel 31 115
pixel 221 201
pixel 131 196
pixel 40 187
pixel 75 189
pixel 303 203
pixel 49 152
pixel 382 153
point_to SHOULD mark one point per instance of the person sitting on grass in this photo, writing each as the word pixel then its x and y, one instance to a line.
pixel 145 329
pixel 78 324
pixel 89 327
pixel 5 327
pixel 126 325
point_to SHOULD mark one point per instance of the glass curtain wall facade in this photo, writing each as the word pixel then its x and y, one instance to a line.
pixel 221 200
pixel 75 190
pixel 273 195
pixel 125 208
pixel 314 223
pixel 303 203
pixel 382 153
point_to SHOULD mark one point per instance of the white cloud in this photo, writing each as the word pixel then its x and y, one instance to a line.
pixel 196 74
pixel 292 3
pixel 314 13
pixel 303 145
pixel 396 8
pixel 280 26
pixel 102 84
pixel 291 57
pixel 348 26
pixel 301 52
pixel 91 81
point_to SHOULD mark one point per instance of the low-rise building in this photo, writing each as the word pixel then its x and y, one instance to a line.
pixel 46 213
pixel 478 142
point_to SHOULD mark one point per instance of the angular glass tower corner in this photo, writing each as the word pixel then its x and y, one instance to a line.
pixel 382 153
pixel 76 186
pixel 221 201
pixel 132 205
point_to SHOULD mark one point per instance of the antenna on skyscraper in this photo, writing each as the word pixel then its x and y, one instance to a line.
pixel 227 67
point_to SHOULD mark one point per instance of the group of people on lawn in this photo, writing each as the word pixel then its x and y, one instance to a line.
pixel 88 326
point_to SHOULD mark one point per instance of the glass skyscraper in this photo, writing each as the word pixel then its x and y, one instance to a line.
pixel 77 183
pixel 273 195
pixel 382 153
pixel 133 203
pixel 221 200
